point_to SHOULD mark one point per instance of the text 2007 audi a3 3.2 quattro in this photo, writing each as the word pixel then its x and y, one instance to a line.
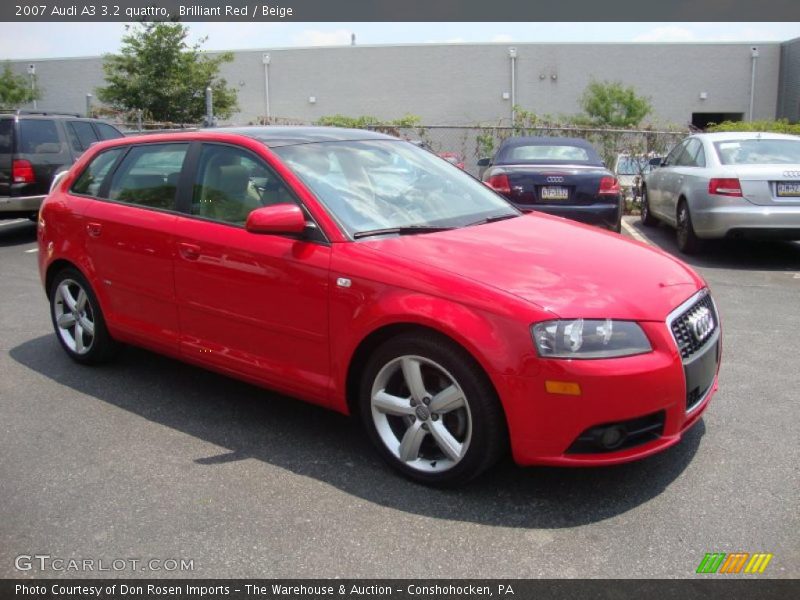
pixel 364 274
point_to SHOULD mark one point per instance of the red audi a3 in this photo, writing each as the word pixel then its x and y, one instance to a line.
pixel 364 274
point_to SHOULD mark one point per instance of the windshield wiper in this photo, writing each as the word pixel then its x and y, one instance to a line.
pixel 405 230
pixel 494 218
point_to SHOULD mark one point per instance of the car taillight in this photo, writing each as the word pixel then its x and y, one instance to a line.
pixel 22 172
pixel 499 183
pixel 609 186
pixel 725 187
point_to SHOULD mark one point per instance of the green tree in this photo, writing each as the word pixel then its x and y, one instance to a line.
pixel 15 90
pixel 611 104
pixel 158 72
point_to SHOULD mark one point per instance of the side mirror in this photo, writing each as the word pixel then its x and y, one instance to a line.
pixel 278 219
pixel 658 161
pixel 484 162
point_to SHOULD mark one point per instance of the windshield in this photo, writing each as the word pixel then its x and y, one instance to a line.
pixel 385 184
pixel 632 165
pixel 758 152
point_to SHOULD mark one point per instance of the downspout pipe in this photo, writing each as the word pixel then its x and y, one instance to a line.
pixel 754 58
pixel 512 55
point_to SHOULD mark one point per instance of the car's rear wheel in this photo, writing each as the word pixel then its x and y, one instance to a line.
pixel 648 220
pixel 78 320
pixel 431 411
pixel 688 242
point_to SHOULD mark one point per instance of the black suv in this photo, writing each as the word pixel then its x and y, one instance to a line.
pixel 34 146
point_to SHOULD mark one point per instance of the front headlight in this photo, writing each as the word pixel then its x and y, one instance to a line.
pixel 589 338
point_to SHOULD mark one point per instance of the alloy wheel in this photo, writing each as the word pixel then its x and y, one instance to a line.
pixel 421 414
pixel 74 316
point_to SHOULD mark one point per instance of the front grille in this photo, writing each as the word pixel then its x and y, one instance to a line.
pixel 683 332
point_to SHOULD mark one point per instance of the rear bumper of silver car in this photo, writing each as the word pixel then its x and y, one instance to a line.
pixel 748 220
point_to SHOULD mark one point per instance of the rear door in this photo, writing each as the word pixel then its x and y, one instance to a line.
pixel 131 243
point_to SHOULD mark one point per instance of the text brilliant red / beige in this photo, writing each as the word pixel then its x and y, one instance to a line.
pixel 264 10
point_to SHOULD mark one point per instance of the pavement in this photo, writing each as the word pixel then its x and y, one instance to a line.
pixel 149 458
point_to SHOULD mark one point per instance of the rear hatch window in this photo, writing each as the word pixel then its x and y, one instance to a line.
pixel 38 136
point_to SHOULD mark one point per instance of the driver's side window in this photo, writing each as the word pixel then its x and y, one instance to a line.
pixel 231 182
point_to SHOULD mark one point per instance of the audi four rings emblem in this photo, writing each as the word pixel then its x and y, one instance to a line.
pixel 555 179
pixel 701 323
pixel 791 173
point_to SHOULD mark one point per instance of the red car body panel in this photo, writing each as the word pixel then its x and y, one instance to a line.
pixel 267 309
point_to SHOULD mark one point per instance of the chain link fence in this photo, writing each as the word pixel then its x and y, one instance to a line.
pixel 472 143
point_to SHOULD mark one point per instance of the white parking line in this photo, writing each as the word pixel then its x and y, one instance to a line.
pixel 635 234
pixel 14 222
pixel 31 251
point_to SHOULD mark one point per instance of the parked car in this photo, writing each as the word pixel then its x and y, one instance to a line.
pixel 559 176
pixel 718 185
pixel 454 158
pixel 630 170
pixel 455 326
pixel 34 146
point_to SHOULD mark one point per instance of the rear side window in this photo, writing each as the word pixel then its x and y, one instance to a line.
pixel 107 132
pixel 91 180
pixel 38 136
pixel 148 175
pixel 6 133
pixel 83 131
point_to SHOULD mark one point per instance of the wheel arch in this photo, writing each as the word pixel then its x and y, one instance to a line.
pixel 378 336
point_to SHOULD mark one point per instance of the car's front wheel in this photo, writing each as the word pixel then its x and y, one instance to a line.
pixel 431 411
pixel 78 320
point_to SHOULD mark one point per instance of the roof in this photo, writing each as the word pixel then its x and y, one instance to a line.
pixel 718 136
pixel 546 141
pixel 274 136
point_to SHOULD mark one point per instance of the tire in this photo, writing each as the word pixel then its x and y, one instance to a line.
pixel 77 319
pixel 648 220
pixel 450 429
pixel 688 242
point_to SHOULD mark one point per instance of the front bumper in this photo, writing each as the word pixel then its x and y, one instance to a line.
pixel 606 215
pixel 19 205
pixel 545 427
pixel 749 220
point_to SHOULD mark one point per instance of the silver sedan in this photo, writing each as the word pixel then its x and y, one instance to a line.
pixel 716 185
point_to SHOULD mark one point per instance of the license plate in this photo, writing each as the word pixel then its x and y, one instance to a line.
pixel 555 193
pixel 788 188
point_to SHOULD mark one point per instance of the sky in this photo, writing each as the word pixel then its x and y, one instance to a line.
pixel 54 40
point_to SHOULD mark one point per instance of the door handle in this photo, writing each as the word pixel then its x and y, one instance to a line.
pixel 189 251
pixel 94 229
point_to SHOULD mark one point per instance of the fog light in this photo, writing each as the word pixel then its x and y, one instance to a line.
pixel 613 437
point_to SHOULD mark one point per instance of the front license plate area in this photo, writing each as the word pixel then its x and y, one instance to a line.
pixel 554 193
pixel 789 189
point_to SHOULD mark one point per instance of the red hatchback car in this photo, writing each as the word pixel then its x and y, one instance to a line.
pixel 359 272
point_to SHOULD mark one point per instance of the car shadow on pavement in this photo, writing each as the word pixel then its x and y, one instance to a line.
pixel 310 441
pixel 17 234
pixel 754 255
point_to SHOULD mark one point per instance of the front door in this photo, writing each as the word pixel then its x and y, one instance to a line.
pixel 252 304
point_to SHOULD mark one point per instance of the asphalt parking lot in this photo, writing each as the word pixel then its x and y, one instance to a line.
pixel 150 458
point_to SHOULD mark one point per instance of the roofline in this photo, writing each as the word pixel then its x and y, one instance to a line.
pixel 435 44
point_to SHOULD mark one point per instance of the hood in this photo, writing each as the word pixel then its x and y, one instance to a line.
pixel 570 269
